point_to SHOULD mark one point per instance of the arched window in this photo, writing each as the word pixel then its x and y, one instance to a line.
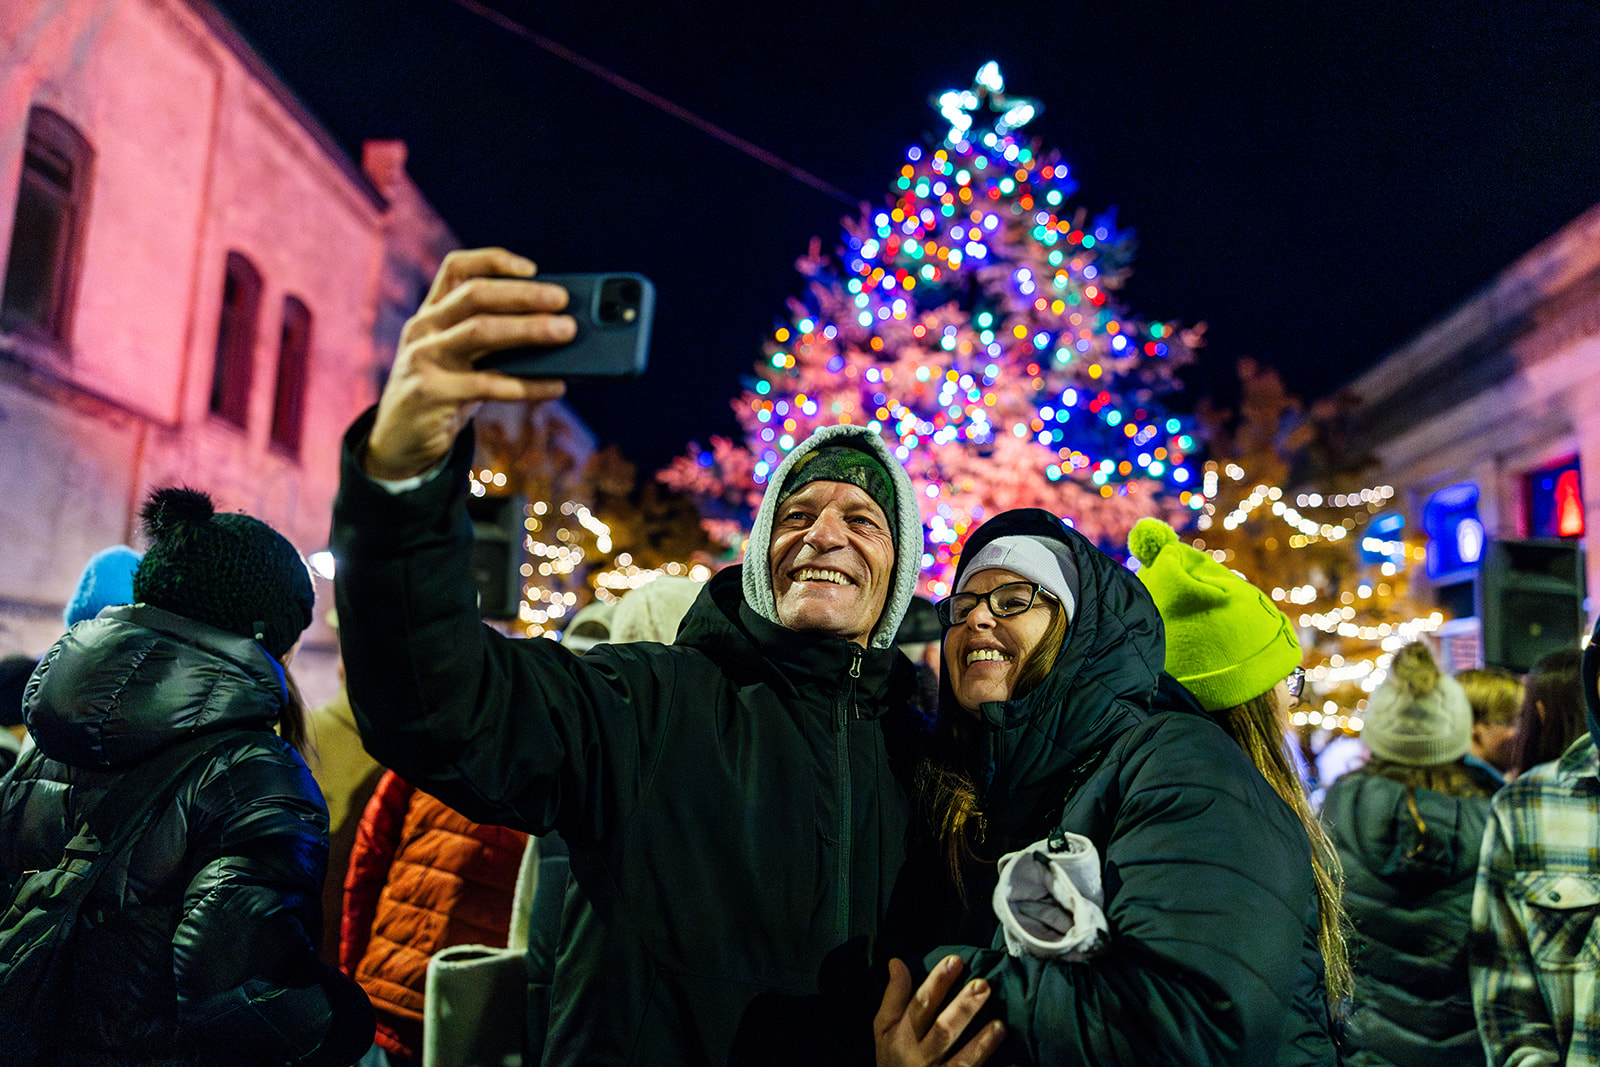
pixel 236 340
pixel 47 236
pixel 294 356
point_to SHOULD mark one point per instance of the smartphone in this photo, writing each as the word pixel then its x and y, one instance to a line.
pixel 614 313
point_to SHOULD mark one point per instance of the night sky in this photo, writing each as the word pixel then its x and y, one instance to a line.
pixel 1316 182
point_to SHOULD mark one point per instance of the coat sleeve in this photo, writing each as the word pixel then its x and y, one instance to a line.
pixel 1206 881
pixel 371 856
pixel 245 957
pixel 1513 1018
pixel 518 733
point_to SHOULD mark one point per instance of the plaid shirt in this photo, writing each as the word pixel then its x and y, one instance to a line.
pixel 1535 939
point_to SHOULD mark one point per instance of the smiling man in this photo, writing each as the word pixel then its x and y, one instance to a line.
pixel 831 543
pixel 734 816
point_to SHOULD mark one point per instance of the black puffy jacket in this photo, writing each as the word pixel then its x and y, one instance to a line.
pixel 203 947
pixel 1207 874
pixel 1408 879
pixel 734 803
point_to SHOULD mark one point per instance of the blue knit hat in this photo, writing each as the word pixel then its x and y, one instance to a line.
pixel 106 581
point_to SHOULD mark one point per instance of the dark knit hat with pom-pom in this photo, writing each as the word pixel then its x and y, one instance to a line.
pixel 231 571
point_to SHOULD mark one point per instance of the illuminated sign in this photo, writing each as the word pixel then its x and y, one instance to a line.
pixel 1455 533
pixel 1554 501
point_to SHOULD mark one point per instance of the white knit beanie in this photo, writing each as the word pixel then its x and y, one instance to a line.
pixel 1418 716
pixel 1048 564
pixel 653 611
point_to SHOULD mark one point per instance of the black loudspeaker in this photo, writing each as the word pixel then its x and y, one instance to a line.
pixel 498 553
pixel 1530 598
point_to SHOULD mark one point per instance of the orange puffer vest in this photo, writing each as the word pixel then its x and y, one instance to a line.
pixel 422 878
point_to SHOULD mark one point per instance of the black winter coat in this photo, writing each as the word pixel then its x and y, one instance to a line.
pixel 1408 892
pixel 733 803
pixel 1206 872
pixel 1308 1036
pixel 205 946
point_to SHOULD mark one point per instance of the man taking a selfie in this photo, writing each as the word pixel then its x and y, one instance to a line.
pixel 734 802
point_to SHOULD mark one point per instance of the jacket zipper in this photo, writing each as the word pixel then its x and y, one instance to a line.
pixel 847 709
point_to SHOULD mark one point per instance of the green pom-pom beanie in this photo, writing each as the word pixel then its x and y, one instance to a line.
pixel 1226 642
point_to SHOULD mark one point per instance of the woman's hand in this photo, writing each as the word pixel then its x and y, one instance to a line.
pixel 912 1031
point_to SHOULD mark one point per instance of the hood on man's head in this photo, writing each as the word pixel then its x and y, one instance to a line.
pixel 837 464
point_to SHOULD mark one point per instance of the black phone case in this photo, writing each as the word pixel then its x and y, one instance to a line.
pixel 613 340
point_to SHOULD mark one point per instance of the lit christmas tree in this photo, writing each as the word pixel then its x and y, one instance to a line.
pixel 1335 558
pixel 973 323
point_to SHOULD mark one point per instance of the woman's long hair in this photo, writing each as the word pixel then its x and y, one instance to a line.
pixel 1452 779
pixel 1552 714
pixel 947 783
pixel 292 719
pixel 1256 727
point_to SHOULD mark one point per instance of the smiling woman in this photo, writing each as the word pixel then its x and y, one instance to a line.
pixel 1007 619
pixel 1046 734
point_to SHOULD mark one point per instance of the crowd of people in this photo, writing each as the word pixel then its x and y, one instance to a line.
pixel 793 814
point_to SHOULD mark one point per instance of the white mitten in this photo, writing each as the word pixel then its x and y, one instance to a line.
pixel 1049 900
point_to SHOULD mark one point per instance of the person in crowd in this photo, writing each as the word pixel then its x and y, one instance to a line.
pixel 347 777
pixel 106 581
pixel 1535 947
pixel 204 949
pixel 1495 695
pixel 918 638
pixel 589 626
pixel 1551 716
pixel 1408 825
pixel 1047 750
pixel 1237 655
pixel 15 670
pixel 422 877
pixel 735 802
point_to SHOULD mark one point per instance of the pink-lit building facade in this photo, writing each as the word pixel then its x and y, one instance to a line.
pixel 199 287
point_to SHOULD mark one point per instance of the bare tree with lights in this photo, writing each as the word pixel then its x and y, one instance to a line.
pixel 1329 553
pixel 972 321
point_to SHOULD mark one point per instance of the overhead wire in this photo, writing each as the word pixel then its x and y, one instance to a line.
pixel 655 100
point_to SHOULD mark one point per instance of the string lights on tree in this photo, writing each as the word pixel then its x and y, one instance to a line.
pixel 972 321
pixel 1336 561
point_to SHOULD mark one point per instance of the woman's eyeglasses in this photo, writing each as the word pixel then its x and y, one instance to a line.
pixel 1296 682
pixel 1013 598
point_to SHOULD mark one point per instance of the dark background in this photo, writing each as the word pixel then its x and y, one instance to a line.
pixel 1316 182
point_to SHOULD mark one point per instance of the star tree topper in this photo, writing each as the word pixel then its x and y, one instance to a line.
pixel 988 92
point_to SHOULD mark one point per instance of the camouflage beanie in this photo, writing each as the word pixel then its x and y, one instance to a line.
pixel 231 571
pixel 844 463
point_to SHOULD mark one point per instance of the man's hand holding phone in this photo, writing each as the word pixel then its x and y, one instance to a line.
pixel 482 300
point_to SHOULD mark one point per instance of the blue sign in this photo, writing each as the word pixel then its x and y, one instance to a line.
pixel 1455 533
